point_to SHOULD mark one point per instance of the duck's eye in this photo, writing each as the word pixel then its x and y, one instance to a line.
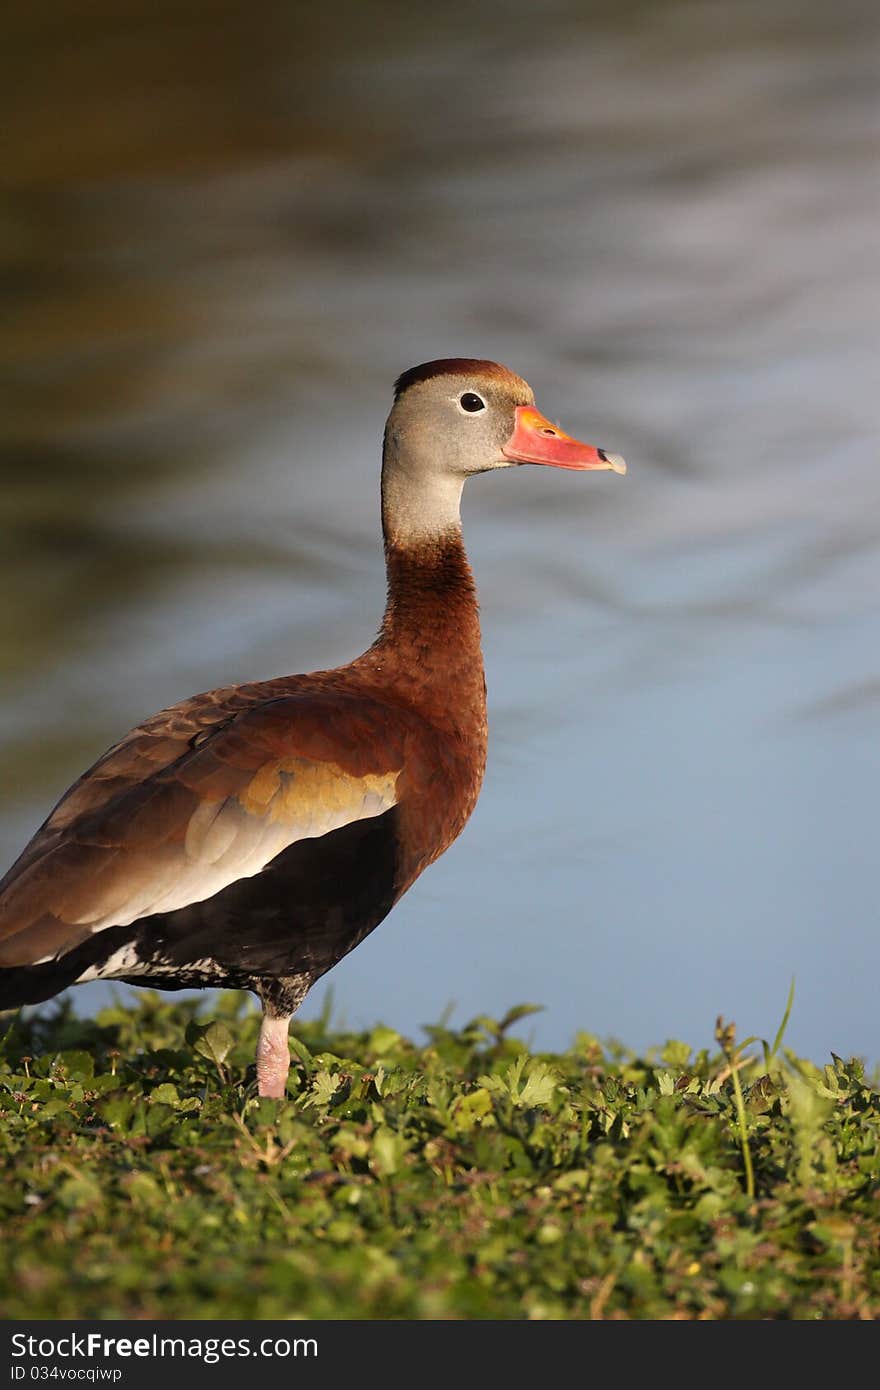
pixel 471 402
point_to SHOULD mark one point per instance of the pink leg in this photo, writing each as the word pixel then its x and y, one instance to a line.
pixel 273 1056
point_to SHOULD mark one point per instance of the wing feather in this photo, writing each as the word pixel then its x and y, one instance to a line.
pixel 168 818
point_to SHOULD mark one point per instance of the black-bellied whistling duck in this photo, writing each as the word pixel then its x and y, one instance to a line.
pixel 252 836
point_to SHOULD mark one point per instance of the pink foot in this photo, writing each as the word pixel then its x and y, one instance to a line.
pixel 273 1057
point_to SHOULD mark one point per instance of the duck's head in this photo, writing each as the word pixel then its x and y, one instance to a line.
pixel 460 416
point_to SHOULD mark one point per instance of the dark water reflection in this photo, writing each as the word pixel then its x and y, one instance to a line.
pixel 220 242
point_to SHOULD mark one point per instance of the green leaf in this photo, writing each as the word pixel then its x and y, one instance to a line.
pixel 470 1109
pixel 212 1041
pixel 116 1110
pixel 383 1040
pixel 676 1055
pixel 516 1013
pixel 780 1032
pixel 387 1152
pixel 77 1065
pixel 574 1179
pixel 145 1192
pixel 56 1106
pixel 540 1086
pixel 324 1086
pixel 299 1050
pixel 159 1118
pixel 82 1190
pixel 166 1094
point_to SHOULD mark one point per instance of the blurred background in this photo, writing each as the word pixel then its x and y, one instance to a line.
pixel 225 229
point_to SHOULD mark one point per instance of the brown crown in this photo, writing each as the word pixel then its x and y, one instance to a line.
pixel 451 366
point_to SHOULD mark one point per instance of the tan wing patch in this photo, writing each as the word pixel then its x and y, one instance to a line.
pixel 297 791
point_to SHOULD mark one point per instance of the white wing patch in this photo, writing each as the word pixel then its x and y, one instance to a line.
pixel 127 962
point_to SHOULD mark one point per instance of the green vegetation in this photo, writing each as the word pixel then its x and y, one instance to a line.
pixel 466 1178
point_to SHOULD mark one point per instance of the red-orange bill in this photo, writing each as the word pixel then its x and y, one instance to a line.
pixel 536 440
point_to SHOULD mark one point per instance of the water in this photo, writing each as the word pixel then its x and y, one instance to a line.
pixel 219 248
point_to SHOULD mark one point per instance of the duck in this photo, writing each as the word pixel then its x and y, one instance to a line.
pixel 250 837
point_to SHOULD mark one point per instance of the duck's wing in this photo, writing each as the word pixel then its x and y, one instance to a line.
pixel 196 798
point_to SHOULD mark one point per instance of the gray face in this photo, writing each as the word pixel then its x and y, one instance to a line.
pixel 455 424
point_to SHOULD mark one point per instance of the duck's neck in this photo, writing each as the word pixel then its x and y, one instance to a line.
pixel 432 599
pixel 428 649
pixel 431 630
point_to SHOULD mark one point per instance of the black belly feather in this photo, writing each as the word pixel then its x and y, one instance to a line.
pixel 295 919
